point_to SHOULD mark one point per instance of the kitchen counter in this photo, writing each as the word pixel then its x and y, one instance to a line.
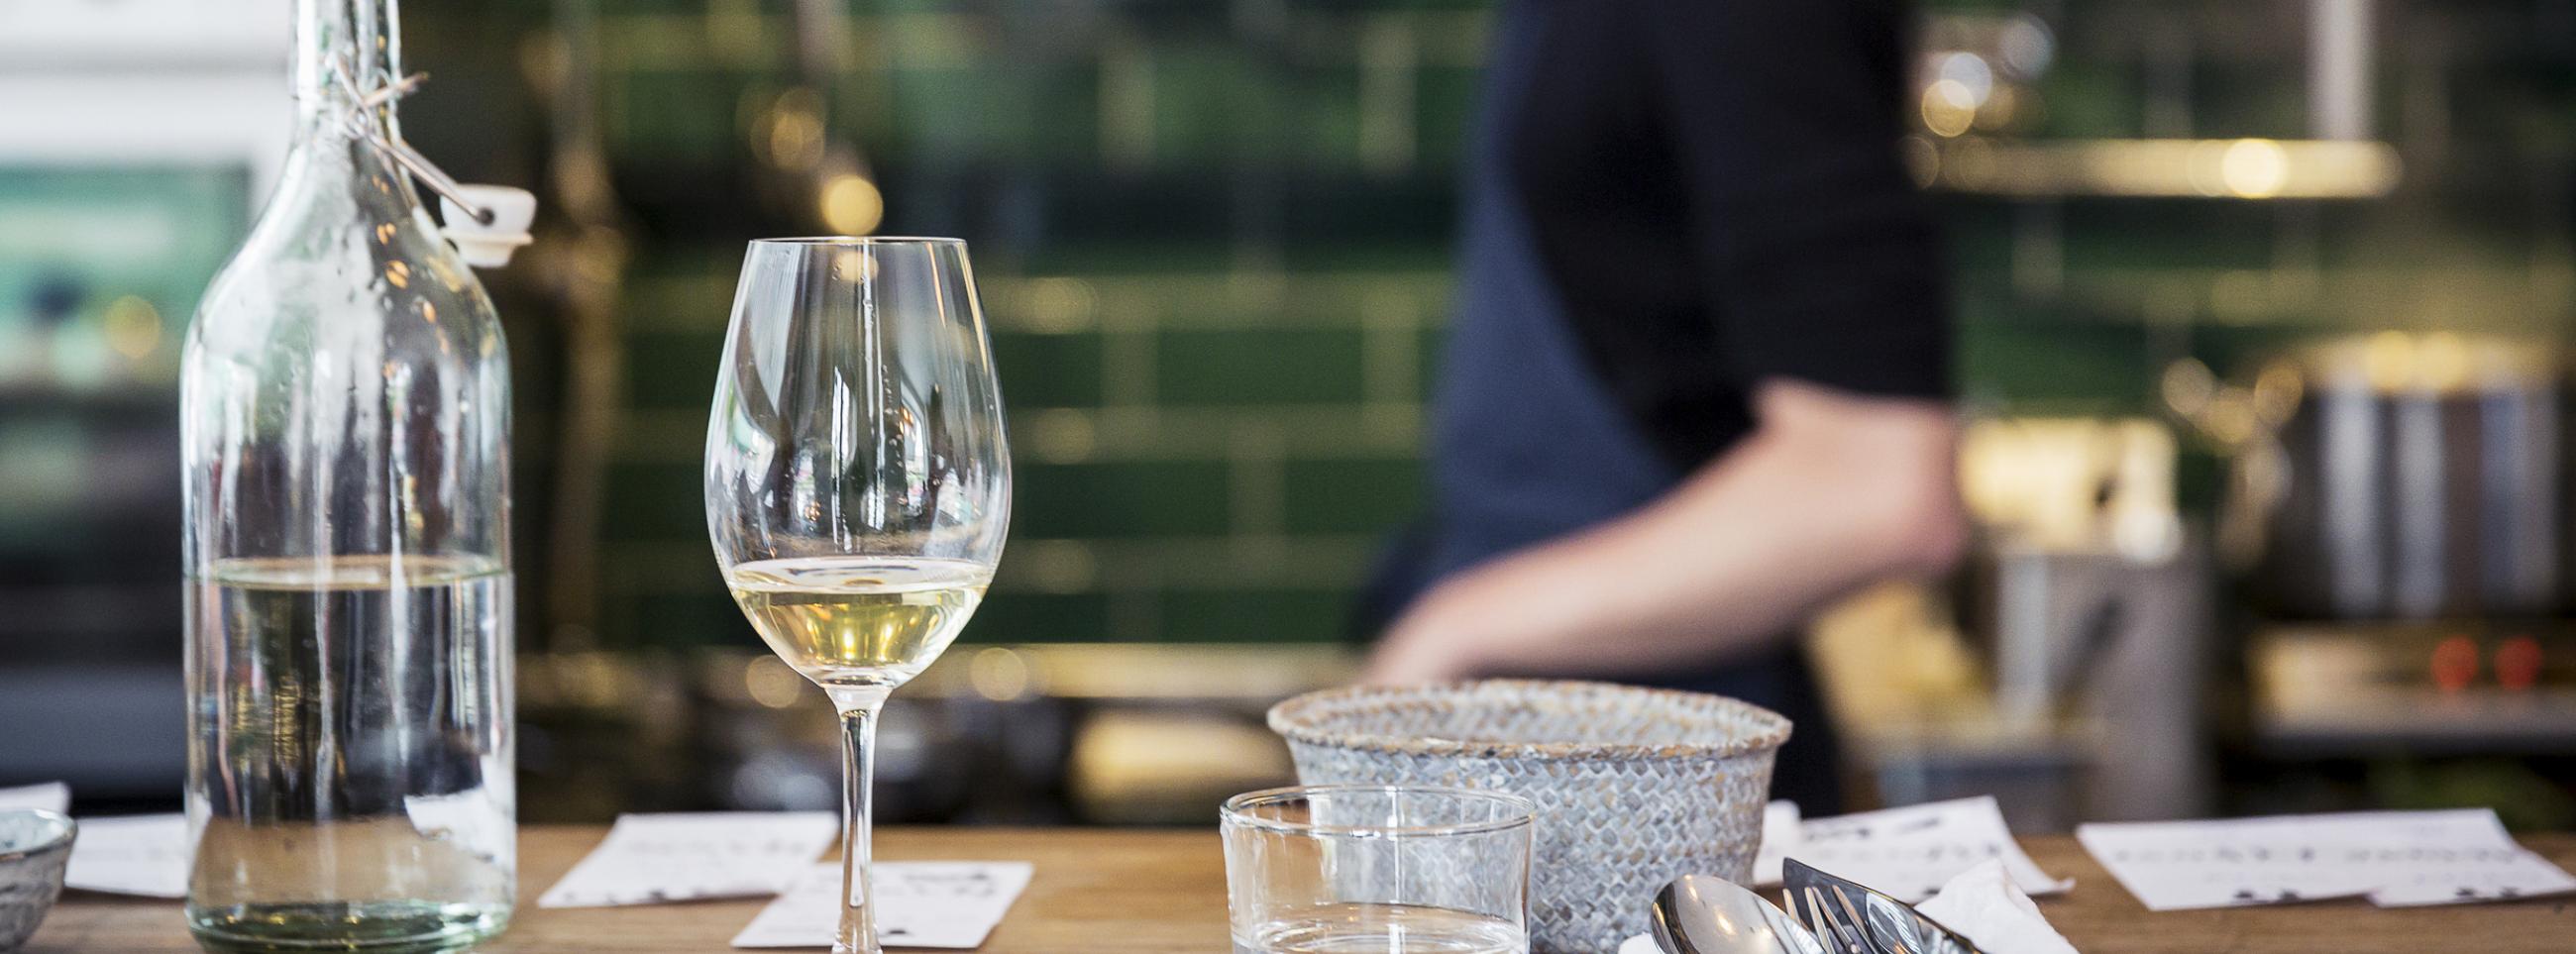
pixel 1163 892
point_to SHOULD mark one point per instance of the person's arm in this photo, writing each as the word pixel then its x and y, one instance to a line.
pixel 1831 492
pixel 1824 276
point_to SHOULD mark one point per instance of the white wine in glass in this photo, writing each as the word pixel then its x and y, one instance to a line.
pixel 859 620
pixel 858 479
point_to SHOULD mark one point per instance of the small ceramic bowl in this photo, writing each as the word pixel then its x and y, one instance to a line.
pixel 35 845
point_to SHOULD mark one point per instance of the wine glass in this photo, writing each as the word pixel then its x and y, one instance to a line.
pixel 858 479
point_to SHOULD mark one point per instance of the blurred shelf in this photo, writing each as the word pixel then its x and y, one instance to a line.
pixel 2362 690
pixel 2419 721
pixel 20 397
pixel 1246 676
pixel 2235 169
pixel 2366 297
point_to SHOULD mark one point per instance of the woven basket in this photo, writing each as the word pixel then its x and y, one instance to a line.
pixel 1634 787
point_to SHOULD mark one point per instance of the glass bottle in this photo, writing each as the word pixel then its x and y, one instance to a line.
pixel 344 414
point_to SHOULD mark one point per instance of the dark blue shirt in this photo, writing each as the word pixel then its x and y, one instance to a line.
pixel 1671 201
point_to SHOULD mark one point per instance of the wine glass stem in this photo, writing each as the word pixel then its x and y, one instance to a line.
pixel 859 710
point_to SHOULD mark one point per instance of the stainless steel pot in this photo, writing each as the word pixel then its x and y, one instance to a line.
pixel 2396 476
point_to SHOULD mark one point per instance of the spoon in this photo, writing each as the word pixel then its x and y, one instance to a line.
pixel 1704 914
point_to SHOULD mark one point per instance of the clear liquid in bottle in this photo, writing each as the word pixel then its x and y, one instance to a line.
pixel 358 787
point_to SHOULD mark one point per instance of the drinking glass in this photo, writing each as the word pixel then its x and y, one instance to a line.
pixel 858 483
pixel 1392 869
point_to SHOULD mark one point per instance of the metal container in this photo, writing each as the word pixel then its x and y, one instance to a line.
pixel 2396 477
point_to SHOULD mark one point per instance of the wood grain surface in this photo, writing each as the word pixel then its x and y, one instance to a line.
pixel 1163 892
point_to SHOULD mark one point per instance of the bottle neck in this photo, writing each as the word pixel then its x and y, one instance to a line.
pixel 340 40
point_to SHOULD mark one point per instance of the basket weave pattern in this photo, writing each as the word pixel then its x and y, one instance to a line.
pixel 1634 787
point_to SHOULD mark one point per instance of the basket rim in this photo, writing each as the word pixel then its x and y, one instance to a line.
pixel 1292 719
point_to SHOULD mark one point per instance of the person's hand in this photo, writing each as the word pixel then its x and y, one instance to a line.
pixel 1440 639
pixel 1410 656
pixel 1832 493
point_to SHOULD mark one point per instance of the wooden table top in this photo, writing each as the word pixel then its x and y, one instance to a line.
pixel 1163 892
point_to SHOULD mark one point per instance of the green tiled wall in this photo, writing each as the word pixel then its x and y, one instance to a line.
pixel 1213 239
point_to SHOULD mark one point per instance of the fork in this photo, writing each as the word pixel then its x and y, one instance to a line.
pixel 1860 920
pixel 1845 927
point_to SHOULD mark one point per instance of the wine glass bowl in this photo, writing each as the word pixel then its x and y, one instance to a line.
pixel 857 476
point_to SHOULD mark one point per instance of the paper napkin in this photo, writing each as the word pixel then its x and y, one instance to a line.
pixel 1983 905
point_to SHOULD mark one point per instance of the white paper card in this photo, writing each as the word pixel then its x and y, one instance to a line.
pixel 1911 852
pixel 2396 858
pixel 945 904
pixel 2469 875
pixel 1779 834
pixel 51 796
pixel 137 854
pixel 654 859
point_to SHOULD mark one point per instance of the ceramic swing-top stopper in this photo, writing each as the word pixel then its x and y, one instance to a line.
pixel 489 244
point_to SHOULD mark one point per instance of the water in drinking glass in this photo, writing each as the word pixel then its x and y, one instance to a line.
pixel 859 620
pixel 1383 929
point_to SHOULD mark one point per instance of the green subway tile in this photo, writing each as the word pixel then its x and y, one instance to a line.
pixel 628 8
pixel 655 502
pixel 672 371
pixel 684 298
pixel 1206 100
pixel 884 7
pixel 1358 225
pixel 1020 617
pixel 678 115
pixel 2091 100
pixel 2066 364
pixel 1064 126
pixel 2129 236
pixel 957 109
pixel 1126 499
pixel 2267 98
pixel 1329 133
pixel 1352 495
pixel 1048 370
pixel 1259 366
pixel 1448 96
pixel 1430 352
pixel 1354 245
pixel 1979 235
pixel 1135 256
pixel 1256 616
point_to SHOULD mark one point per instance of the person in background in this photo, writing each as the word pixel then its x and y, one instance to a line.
pixel 1696 384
